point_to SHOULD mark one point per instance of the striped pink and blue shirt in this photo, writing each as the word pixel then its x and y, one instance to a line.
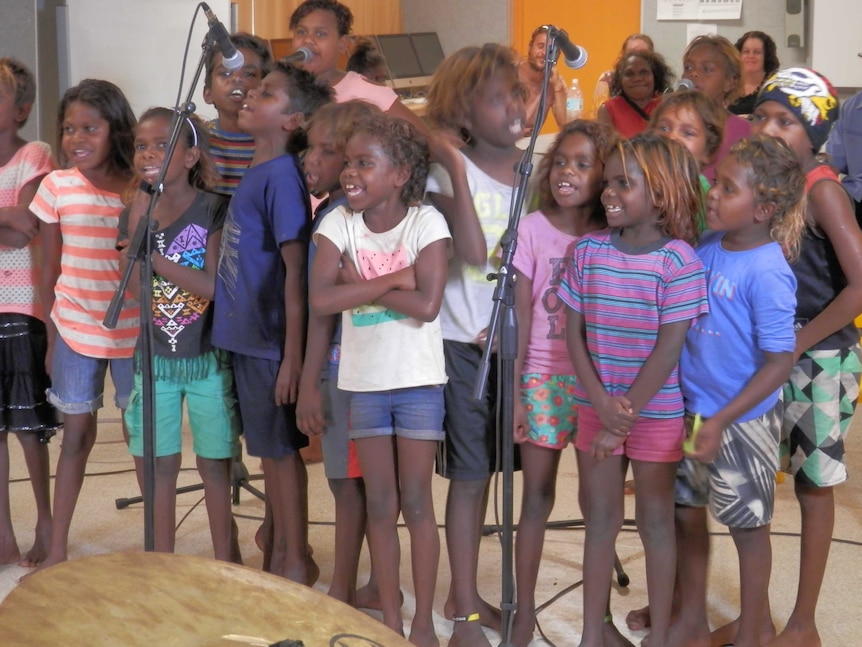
pixel 625 295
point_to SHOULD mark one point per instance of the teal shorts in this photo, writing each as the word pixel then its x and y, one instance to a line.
pixel 551 409
pixel 206 385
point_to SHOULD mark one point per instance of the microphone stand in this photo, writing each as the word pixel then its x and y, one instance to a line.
pixel 140 250
pixel 503 315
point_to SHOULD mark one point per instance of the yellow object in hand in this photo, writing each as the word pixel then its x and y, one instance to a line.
pixel 688 443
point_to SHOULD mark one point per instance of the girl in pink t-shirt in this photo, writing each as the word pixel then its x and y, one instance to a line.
pixel 324 30
pixel 569 187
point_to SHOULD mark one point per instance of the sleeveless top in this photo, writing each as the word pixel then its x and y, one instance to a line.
pixel 819 277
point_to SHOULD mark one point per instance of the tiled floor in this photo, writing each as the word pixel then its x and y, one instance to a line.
pixel 99 528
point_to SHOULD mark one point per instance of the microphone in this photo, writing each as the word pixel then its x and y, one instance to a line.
pixel 574 56
pixel 682 84
pixel 232 58
pixel 301 55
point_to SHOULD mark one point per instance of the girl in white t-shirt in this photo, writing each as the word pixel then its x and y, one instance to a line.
pixel 383 265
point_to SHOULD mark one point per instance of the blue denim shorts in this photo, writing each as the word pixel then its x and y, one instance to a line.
pixel 415 413
pixel 78 381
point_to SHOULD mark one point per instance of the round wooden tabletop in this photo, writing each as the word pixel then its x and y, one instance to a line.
pixel 159 599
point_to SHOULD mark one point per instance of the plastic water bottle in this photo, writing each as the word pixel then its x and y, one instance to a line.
pixel 574 101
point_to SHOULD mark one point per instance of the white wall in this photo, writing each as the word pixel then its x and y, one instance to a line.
pixel 766 16
pixel 138 44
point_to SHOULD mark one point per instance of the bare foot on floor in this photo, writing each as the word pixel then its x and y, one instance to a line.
pixel 797 637
pixel 726 635
pixel 424 637
pixel 686 635
pixel 523 627
pixel 9 552
pixel 611 636
pixel 468 634
pixel 48 562
pixel 368 597
pixel 489 616
pixel 638 619
pixel 41 547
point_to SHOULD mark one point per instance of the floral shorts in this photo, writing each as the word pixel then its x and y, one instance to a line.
pixel 551 409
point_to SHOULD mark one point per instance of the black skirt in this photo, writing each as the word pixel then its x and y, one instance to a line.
pixel 24 407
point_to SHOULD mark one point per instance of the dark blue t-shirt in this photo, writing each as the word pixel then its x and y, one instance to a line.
pixel 270 208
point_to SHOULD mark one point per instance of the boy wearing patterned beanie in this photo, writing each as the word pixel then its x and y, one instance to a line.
pixel 799 106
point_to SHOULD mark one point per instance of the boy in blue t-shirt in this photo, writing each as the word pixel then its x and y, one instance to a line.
pixel 260 302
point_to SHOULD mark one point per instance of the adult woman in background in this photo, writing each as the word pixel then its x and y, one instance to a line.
pixel 759 61
pixel 639 79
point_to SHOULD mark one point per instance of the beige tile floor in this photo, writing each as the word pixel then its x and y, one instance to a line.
pixel 99 527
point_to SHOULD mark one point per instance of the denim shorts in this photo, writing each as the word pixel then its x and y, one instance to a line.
pixel 78 381
pixel 415 413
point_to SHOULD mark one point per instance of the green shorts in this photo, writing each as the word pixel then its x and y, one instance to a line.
pixel 206 385
pixel 819 401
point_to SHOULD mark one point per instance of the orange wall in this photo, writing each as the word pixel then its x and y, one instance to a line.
pixel 600 27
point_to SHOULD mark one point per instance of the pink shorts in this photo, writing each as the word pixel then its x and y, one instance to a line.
pixel 655 440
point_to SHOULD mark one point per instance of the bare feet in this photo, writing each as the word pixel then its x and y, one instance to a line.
pixel 368 597
pixel 9 553
pixel 726 635
pixel 424 637
pixel 611 636
pixel 468 634
pixel 46 563
pixel 523 627
pixel 686 635
pixel 794 636
pixel 489 616
pixel 638 619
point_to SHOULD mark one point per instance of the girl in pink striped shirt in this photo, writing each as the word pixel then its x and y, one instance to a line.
pixel 80 208
pixel 632 292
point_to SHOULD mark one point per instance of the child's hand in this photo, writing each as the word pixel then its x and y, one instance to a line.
pixel 405 279
pixel 707 441
pixel 605 443
pixel 287 382
pixel 616 415
pixel 309 410
pixel 444 145
pixel 521 422
pixel 24 222
pixel 482 341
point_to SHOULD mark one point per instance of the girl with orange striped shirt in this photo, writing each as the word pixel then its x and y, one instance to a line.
pixel 80 207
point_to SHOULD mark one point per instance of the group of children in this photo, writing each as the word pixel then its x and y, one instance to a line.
pixel 655 306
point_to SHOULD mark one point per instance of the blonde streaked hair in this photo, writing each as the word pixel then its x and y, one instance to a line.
pixel 776 178
pixel 456 79
pixel 672 177
pixel 732 61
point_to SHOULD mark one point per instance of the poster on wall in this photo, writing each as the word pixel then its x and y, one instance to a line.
pixel 698 9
